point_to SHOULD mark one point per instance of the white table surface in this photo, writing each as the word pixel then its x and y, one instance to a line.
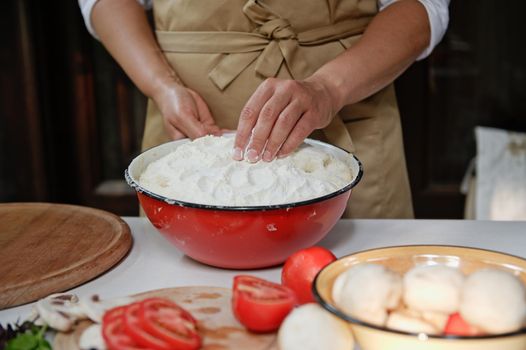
pixel 153 263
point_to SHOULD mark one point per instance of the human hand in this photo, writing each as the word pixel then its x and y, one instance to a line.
pixel 185 113
pixel 281 114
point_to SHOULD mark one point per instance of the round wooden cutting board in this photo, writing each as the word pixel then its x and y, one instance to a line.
pixel 46 248
pixel 210 306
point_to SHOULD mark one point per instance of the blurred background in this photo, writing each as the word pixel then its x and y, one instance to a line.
pixel 71 121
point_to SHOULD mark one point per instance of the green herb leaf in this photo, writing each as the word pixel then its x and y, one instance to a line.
pixel 43 344
pixel 25 341
pixel 26 336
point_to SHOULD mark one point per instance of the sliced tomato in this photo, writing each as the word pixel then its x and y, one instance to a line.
pixel 169 322
pixel 261 305
pixel 135 329
pixel 456 325
pixel 301 268
pixel 116 312
pixel 113 331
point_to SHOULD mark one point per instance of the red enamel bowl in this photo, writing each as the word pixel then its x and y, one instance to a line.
pixel 241 237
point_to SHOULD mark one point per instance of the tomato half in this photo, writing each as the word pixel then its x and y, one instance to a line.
pixel 456 325
pixel 261 305
pixel 135 329
pixel 113 331
pixel 169 322
pixel 301 268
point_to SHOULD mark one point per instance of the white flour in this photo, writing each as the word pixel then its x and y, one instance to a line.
pixel 204 172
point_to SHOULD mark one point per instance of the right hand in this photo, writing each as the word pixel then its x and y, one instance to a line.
pixel 185 113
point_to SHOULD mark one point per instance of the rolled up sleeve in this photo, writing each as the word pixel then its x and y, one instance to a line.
pixel 86 6
pixel 438 14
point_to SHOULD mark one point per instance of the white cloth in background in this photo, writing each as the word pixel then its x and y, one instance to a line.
pixel 437 12
pixel 501 175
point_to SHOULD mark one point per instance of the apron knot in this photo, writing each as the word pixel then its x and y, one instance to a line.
pixel 277 29
pixel 283 41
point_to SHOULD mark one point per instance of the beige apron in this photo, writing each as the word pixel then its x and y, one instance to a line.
pixel 224 49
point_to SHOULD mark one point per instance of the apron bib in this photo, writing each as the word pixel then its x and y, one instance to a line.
pixel 224 49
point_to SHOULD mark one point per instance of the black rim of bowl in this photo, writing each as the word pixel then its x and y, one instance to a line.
pixel 170 201
pixel 340 314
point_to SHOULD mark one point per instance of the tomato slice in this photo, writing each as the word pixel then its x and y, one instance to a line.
pixel 116 312
pixel 169 322
pixel 300 269
pixel 261 305
pixel 113 331
pixel 456 325
pixel 134 327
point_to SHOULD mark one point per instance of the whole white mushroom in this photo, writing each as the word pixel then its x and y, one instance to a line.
pixel 494 301
pixel 310 327
pixel 433 288
pixel 367 292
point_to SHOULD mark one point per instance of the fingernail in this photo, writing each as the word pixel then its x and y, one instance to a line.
pixel 281 156
pixel 267 157
pixel 252 156
pixel 237 153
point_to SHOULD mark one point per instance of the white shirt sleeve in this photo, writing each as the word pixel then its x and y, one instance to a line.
pixel 438 14
pixel 86 6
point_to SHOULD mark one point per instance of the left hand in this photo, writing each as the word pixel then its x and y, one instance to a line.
pixel 281 114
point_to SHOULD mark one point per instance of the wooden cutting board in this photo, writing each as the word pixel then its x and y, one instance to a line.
pixel 46 248
pixel 210 306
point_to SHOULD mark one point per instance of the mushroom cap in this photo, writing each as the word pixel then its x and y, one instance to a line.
pixel 367 291
pixel 433 288
pixel 310 327
pixel 494 300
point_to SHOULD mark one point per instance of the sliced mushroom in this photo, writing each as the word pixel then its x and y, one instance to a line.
pixel 437 319
pixel 60 311
pixel 408 323
pixel 94 308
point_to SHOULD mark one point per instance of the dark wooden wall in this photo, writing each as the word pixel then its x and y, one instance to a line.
pixel 476 76
pixel 70 120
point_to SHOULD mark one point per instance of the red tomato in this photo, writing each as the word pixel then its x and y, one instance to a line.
pixel 261 305
pixel 456 325
pixel 301 268
pixel 169 322
pixel 135 329
pixel 113 331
